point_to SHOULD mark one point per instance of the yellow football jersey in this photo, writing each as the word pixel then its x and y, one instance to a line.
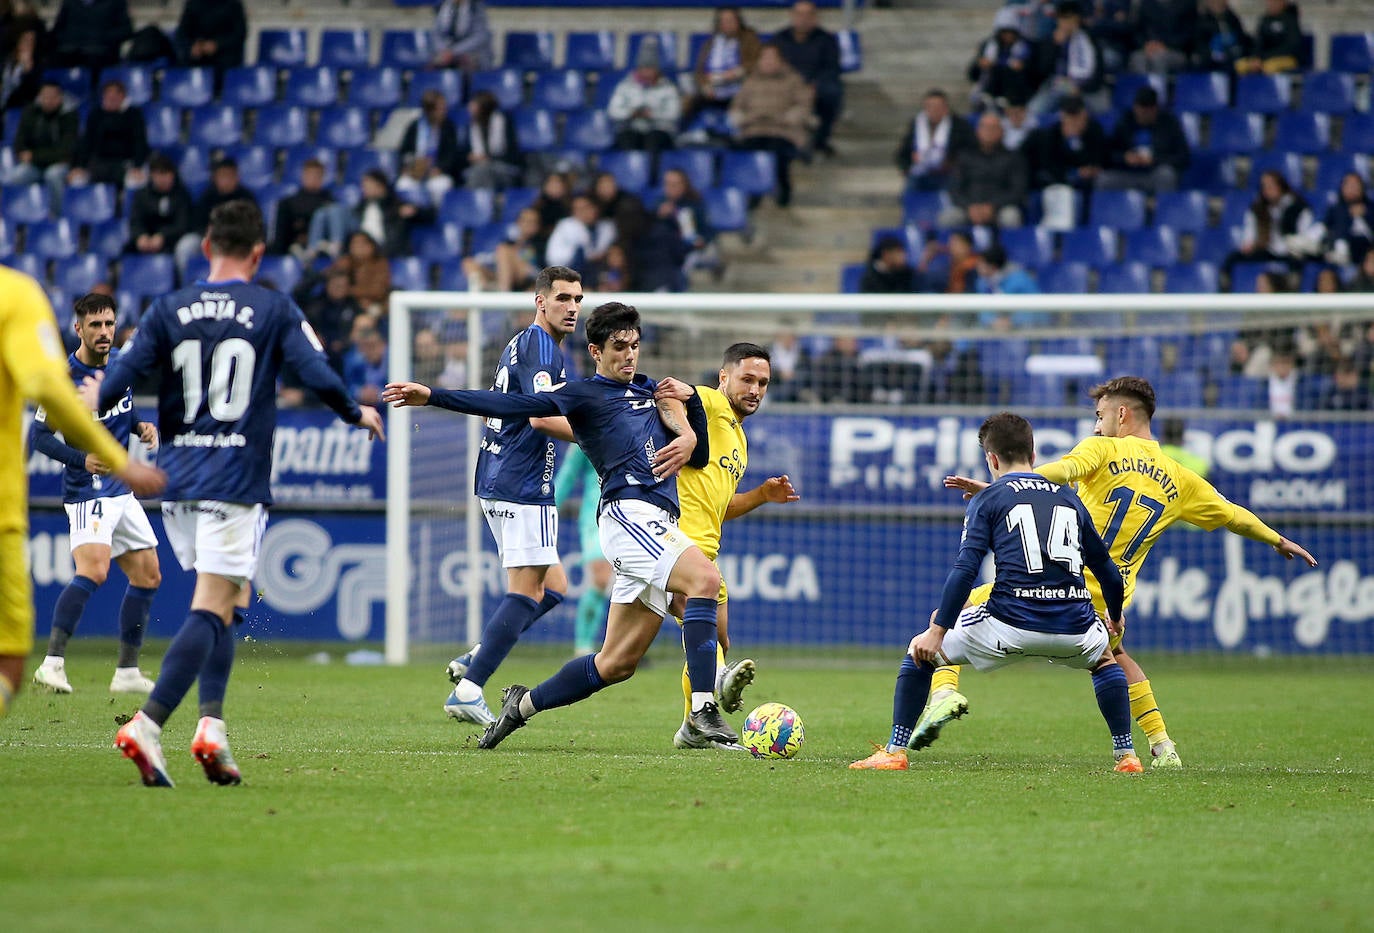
pixel 705 493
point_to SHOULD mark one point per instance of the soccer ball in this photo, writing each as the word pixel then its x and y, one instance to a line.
pixel 773 731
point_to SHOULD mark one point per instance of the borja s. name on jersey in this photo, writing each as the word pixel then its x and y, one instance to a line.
pixel 215 306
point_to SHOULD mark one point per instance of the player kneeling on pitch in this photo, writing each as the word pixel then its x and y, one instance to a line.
pixel 1041 536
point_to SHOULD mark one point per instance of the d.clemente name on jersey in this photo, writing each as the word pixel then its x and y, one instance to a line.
pixel 215 306
pixel 1145 468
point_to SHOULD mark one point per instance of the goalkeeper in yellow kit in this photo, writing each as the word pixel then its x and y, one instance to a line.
pixel 1133 492
pixel 33 366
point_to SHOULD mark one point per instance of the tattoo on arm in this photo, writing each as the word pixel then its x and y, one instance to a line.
pixel 668 411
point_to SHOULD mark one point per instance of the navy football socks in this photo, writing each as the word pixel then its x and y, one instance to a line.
pixel 699 642
pixel 185 657
pixel 133 620
pixel 1113 699
pixel 66 614
pixel 513 615
pixel 576 680
pixel 909 699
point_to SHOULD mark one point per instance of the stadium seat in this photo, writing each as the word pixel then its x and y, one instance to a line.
pixel 1303 132
pixel 1287 164
pixel 535 130
pixel 1191 123
pixel 753 172
pixel 51 239
pixel 1209 172
pixel 528 51
pixel 851 274
pixel 216 125
pixel 726 209
pixel 1123 210
pixel 1236 392
pixel 1127 83
pixel 343 128
pixel 257 164
pixel 409 274
pixel 437 242
pixel 280 126
pixel 1353 52
pixel 311 87
pixel 281 48
pixel 29 264
pixel 446 81
pixel 375 88
pixel 364 160
pixel 467 207
pixel 923 207
pixel 1184 211
pixel 630 168
pixel 24 204
pixel 698 164
pixel 193 168
pixel 9 125
pixel 515 200
pixel 667 49
pixel 296 156
pixel 1154 246
pixel 588 131
pixel 1205 92
pixel 406 48
pixel 79 274
pixel 1357 133
pixel 1262 93
pixel 1123 278
pixel 89 204
pixel 1236 133
pixel 282 271
pixel 590 51
pixel 451 275
pixel 345 49
pixel 6 239
pixel 486 237
pixel 1092 246
pixel 107 239
pixel 1245 275
pixel 851 51
pixel 1334 166
pixel 147 275
pixel 197 269
pixel 562 91
pixel 506 83
pixel 187 87
pixel 137 81
pixel 1028 246
pixel 1064 278
pixel 163 122
pixel 695 43
pixel 1328 92
pixel 254 86
pixel 268 193
pixel 605 87
pixel 1190 277
pixel 75 82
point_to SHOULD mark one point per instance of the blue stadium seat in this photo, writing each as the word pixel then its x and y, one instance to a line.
pixel 667 48
pixel 281 48
pixel 364 160
pixel 343 128
pixel 1029 246
pixel 296 156
pixel 1205 92
pixel 751 171
pixel 24 204
pixel 107 239
pixel 1235 133
pixel 467 207
pixel 137 81
pixel 1357 133
pixel 588 131
pixel 1064 278
pixel 409 274
pixel 1328 92
pixel 6 239
pixel 187 87
pixel 406 48
pixel 698 164
pixel 486 237
pixel 9 125
pixel 1127 83
pixel 528 51
pixel 851 274
pixel 630 168
pixel 1124 210
pixel 1245 275
pixel 1234 205
pixel 193 168
pixel 282 271
pixel 216 125
pixel 590 51
pixel 1123 278
pixel 253 86
pixel 605 87
pixel 726 209
pixel 1151 246
pixel 559 90
pixel 1303 132
pixel 451 275
pixel 695 43
pixel 89 204
pixel 1184 211
pixel 851 51
pixel 268 193
pixel 1353 52
pixel 1262 93
pixel 79 274
pixel 1333 166
pixel 375 88
pixel 1237 392
pixel 27 263
pixel 75 82
pixel 1191 277
pixel 147 275
pixel 1191 123
pixel 506 83
pixel 163 122
pixel 437 242
pixel 534 130
pixel 1209 172
pixel 51 239
pixel 311 87
pixel 257 164
pixel 446 81
pixel 281 125
pixel 345 49
pixel 1287 164
pixel 515 200
pixel 1092 246
pixel 1307 281
pixel 923 207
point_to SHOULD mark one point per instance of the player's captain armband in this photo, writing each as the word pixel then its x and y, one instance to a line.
pixel 311 336
pixel 543 382
pixel 50 341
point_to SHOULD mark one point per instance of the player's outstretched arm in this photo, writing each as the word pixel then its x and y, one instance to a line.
pixel 405 395
pixel 773 489
pixel 370 420
pixel 968 486
pixel 1246 523
pixel 485 402
pixel 1291 549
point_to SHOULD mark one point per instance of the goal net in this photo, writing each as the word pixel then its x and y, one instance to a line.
pixel 876 398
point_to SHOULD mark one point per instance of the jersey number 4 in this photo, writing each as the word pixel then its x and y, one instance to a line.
pixel 231 378
pixel 1062 543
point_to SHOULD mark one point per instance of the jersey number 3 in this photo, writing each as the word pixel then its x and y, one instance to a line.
pixel 1062 544
pixel 231 378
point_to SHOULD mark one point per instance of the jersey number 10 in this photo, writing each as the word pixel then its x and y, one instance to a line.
pixel 231 378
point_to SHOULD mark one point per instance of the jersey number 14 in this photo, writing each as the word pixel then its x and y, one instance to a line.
pixel 1062 543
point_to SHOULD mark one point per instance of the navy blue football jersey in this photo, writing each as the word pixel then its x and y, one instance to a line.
pixel 616 424
pixel 1041 537
pixel 516 462
pixel 217 349
pixel 78 484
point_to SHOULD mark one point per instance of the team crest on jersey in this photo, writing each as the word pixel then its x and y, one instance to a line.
pixel 543 382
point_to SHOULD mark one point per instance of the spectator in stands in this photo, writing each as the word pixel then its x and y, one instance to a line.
pixel 295 210
pixel 160 212
pixel 957 275
pixel 88 33
pixel 365 367
pixel 722 63
pixel 1110 24
pixel 1017 126
pixel 427 354
pixel 1070 152
pixel 1002 70
pixel 114 146
pixel 889 270
pixel 1220 41
pixel 1349 390
pixel 212 33
pixel 493 158
pixel 21 73
pixel 773 111
pixel 582 238
pixel 225 186
pixel 1166 30
pixel 515 263
pixel 462 36
pixel 1276 225
pixel 835 377
pixel 933 140
pixel 645 105
pixel 554 201
pixel 1147 149
pixel 997 275
pixel 989 183
pixel 331 312
pixel 1278 41
pixel 369 274
pixel 1347 231
pixel 682 207
pixel 429 150
pixel 815 55
pixel 614 273
pixel 1282 384
pixel 1070 61
pixel 1364 279
pixel 16 18
pixel 656 256
pixel 787 354
pixel 623 209
pixel 380 213
pixel 45 142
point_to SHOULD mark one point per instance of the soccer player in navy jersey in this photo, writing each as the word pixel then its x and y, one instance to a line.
pixel 626 434
pixel 217 347
pixel 107 522
pixel 1041 536
pixel 514 483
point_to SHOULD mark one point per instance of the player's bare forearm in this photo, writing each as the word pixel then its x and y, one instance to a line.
pixel 673 413
pixel 967 485
pixel 1291 549
pixel 673 456
pixel 556 427
pixel 773 489
pixel 406 395
pixel 927 645
pixel 668 387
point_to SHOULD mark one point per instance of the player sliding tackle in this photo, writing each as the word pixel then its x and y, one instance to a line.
pixel 1133 492
pixel 1040 536
pixel 624 431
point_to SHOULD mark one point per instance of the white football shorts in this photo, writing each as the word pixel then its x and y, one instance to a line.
pixel 526 535
pixel 988 643
pixel 222 538
pixel 116 521
pixel 643 543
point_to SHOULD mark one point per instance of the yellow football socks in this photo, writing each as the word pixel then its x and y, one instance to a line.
pixel 1146 712
pixel 945 678
pixel 687 684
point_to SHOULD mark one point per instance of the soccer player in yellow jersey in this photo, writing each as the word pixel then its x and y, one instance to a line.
pixel 33 366
pixel 709 497
pixel 1133 492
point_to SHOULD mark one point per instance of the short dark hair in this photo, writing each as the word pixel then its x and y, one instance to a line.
pixel 113 82
pixel 995 256
pixel 161 163
pixel 737 352
pixel 1134 388
pixel 936 92
pixel 91 303
pixel 1072 106
pixel 235 228
pixel 610 319
pixel 225 162
pixel 543 282
pixel 1009 436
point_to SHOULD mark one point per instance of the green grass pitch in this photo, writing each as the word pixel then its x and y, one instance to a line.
pixel 364 809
